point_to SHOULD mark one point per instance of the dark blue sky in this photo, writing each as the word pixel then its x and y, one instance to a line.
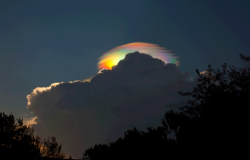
pixel 43 42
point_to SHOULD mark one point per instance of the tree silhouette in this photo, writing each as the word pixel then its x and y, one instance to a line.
pixel 17 141
pixel 217 125
pixel 153 144
pixel 51 149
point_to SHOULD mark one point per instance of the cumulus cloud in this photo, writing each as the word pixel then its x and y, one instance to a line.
pixel 135 93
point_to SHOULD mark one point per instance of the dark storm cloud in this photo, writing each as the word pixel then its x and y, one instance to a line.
pixel 135 93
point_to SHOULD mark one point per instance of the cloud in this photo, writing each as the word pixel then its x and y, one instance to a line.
pixel 245 63
pixel 30 122
pixel 27 120
pixel 135 93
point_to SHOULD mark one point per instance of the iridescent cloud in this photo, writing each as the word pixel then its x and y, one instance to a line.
pixel 112 57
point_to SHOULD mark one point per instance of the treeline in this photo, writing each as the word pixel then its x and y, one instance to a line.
pixel 213 125
pixel 17 142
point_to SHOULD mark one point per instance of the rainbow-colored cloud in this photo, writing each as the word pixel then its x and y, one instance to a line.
pixel 112 57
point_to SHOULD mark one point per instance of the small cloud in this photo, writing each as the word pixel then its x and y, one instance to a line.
pixel 31 121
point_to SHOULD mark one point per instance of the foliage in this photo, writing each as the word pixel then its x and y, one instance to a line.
pixel 17 141
pixel 217 125
pixel 135 145
pixel 51 149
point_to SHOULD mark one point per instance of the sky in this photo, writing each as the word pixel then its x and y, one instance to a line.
pixel 49 51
